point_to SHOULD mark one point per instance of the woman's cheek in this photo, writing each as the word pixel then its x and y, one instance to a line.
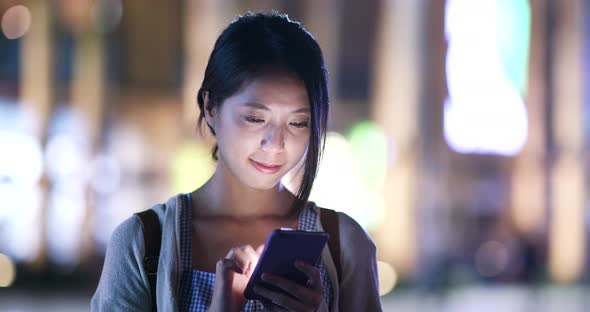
pixel 297 148
pixel 247 138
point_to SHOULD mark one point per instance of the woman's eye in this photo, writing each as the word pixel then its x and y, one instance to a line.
pixel 253 119
pixel 300 124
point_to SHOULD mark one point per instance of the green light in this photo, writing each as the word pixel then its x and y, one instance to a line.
pixel 513 25
pixel 191 167
pixel 369 151
pixel 368 148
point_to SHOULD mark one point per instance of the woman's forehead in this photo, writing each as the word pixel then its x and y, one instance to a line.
pixel 270 91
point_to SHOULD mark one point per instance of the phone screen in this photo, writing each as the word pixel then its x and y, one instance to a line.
pixel 283 247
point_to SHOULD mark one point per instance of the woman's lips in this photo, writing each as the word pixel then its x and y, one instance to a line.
pixel 265 168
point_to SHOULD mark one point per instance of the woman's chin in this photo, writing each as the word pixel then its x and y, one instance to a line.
pixel 263 186
pixel 262 183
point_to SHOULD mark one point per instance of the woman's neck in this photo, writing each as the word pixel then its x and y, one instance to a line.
pixel 225 196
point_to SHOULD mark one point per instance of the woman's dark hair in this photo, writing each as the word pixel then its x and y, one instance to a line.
pixel 248 48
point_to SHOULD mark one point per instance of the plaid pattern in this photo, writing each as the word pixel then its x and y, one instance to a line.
pixel 196 290
pixel 307 222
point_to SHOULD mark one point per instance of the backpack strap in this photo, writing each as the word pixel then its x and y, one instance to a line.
pixel 152 239
pixel 329 219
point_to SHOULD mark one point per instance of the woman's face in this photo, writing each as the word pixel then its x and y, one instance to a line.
pixel 263 130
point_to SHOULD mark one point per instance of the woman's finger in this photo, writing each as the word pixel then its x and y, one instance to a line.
pixel 313 274
pixel 253 257
pixel 280 299
pixel 228 264
pixel 311 297
pixel 240 256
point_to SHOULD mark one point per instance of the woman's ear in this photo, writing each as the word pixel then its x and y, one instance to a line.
pixel 209 111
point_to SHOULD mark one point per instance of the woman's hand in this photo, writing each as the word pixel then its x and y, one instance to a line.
pixel 231 276
pixel 300 298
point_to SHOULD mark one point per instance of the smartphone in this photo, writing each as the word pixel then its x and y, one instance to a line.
pixel 282 248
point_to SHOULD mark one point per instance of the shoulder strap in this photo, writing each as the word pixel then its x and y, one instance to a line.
pixel 152 239
pixel 329 219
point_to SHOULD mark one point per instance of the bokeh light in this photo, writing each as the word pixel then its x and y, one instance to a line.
pixel 491 258
pixel 513 30
pixel 387 277
pixel 106 174
pixel 21 159
pixel 68 170
pixel 192 167
pixel 16 21
pixel 64 158
pixel 485 111
pixel 371 155
pixel 355 166
pixel 21 168
pixel 20 216
pixel 7 271
pixel 337 176
pixel 369 150
pixel 65 216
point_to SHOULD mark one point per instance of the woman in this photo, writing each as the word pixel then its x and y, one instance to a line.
pixel 265 99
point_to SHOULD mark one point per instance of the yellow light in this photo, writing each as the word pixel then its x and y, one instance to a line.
pixel 566 228
pixel 387 277
pixel 16 21
pixel 191 167
pixel 337 176
pixel 7 271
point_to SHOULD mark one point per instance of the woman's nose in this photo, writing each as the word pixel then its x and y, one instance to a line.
pixel 274 140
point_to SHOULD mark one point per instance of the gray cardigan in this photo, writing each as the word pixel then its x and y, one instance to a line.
pixel 124 284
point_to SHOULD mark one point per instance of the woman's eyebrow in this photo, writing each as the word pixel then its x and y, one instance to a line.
pixel 264 107
pixel 256 105
pixel 301 110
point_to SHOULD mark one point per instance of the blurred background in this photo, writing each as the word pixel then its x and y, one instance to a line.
pixel 458 135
